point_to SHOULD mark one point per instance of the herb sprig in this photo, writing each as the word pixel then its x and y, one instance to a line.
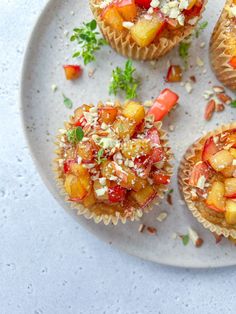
pixel 87 38
pixel 100 159
pixel 75 135
pixel 200 28
pixel 233 104
pixel 123 80
pixel 67 102
pixel 185 239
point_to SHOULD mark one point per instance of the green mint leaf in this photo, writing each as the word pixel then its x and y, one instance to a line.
pixel 233 104
pixel 99 159
pixel 67 102
pixel 185 239
pixel 88 41
pixel 123 80
pixel 75 135
pixel 170 191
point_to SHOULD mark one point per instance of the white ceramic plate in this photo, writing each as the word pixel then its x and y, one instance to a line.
pixel 43 113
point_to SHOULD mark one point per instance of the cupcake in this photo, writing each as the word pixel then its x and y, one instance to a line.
pixel 113 160
pixel 223 46
pixel 145 29
pixel 207 180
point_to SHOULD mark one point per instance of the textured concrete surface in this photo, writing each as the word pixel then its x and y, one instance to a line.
pixel 48 263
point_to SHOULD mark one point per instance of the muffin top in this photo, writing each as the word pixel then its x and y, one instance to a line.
pixel 112 158
pixel 213 178
pixel 148 20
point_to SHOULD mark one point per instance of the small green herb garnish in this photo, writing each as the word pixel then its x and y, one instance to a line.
pixel 100 159
pixel 233 104
pixel 200 28
pixel 87 38
pixel 75 135
pixel 123 80
pixel 67 102
pixel 170 191
pixel 184 52
pixel 185 239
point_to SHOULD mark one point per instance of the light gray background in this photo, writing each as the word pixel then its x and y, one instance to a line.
pixel 48 263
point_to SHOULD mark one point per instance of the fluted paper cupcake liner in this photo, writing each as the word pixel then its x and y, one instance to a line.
pixel 123 43
pixel 219 56
pixel 114 218
pixel 184 172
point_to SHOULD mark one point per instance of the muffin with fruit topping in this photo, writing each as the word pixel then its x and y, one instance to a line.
pixel 145 29
pixel 113 160
pixel 207 178
pixel 223 46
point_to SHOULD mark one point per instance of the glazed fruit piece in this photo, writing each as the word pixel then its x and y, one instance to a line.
pixel 72 72
pixel 223 46
pixel 131 26
pixel 112 161
pixel 207 177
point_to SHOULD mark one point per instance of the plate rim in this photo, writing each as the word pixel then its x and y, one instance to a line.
pixel 45 180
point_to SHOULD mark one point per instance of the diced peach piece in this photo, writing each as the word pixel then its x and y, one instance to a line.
pixel 89 199
pixel 74 188
pixel 100 190
pixel 139 184
pixel 232 62
pixel 107 169
pixel 112 17
pixel 233 152
pixel 229 171
pixel 145 196
pixel 199 170
pixel 230 188
pixel 209 149
pixel 230 214
pixel 221 160
pixel 72 72
pixel 85 151
pixel 145 31
pixel 174 74
pixel 143 3
pixel 107 115
pixel 126 176
pixel 82 173
pixel 124 128
pixel 126 8
pixel 136 147
pixel 134 111
pixel 231 139
pixel 216 199
pixel 161 178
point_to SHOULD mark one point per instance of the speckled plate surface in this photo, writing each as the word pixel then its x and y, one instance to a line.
pixel 43 113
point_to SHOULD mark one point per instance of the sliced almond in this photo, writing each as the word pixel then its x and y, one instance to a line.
pixel 224 98
pixel 220 107
pixel 210 108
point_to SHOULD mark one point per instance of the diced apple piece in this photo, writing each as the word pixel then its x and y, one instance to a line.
pixel 230 214
pixel 145 196
pixel 124 128
pixel 174 74
pixel 112 17
pixel 74 188
pixel 230 188
pixel 116 194
pixel 145 31
pixel 127 9
pixel 89 199
pixel 82 173
pixel 107 114
pixel 143 3
pixel 199 170
pixel 221 160
pixel 209 149
pixel 126 176
pixel 100 190
pixel 216 199
pixel 134 111
pixel 231 139
pixel 136 147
